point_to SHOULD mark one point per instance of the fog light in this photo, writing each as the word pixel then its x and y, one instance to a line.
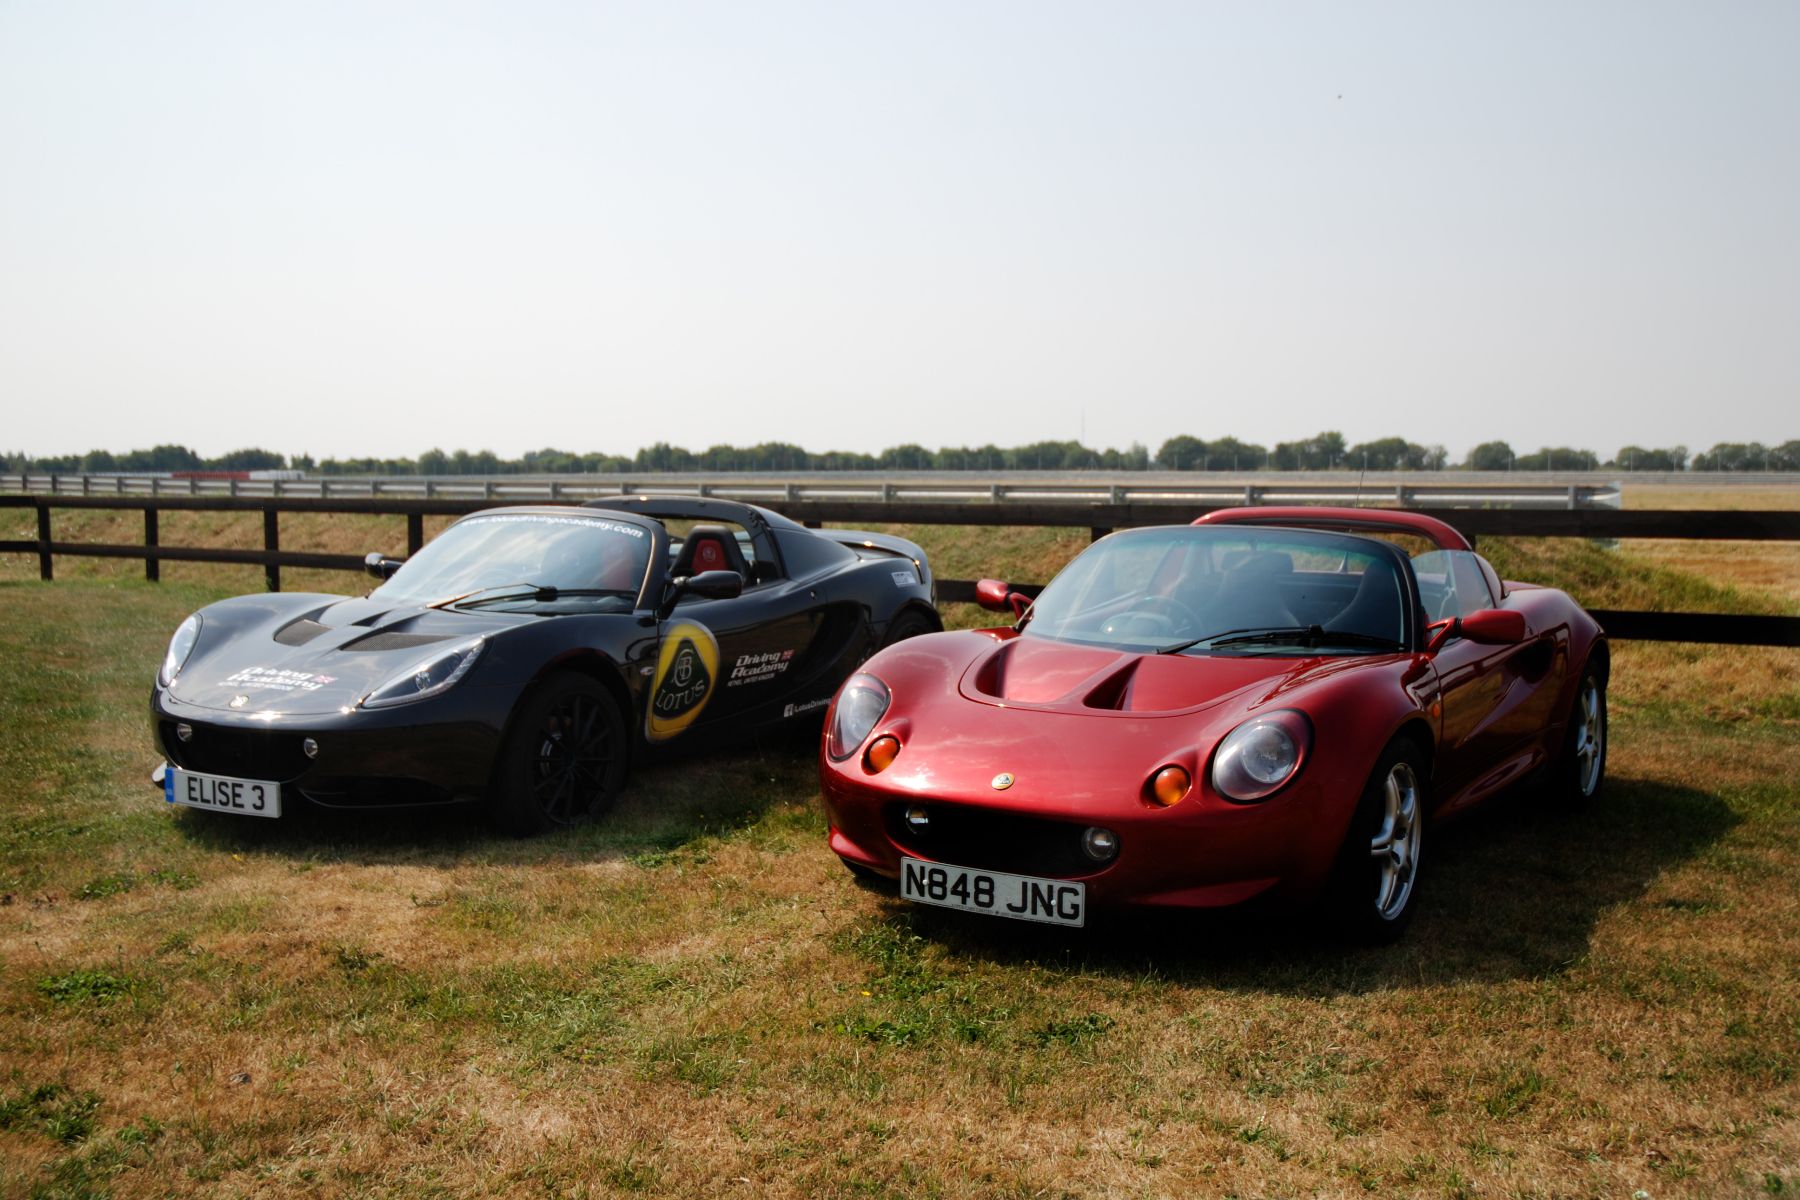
pixel 310 747
pixel 1101 845
pixel 184 732
pixel 918 819
pixel 1170 785
pixel 882 752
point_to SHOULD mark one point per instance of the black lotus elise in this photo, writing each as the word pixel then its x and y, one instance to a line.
pixel 525 657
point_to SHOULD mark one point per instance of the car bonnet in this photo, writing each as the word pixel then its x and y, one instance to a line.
pixel 323 660
pixel 1065 677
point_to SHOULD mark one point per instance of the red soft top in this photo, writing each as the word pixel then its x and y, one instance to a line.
pixel 1390 520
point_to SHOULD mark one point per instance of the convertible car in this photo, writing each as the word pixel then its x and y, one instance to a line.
pixel 525 656
pixel 1270 704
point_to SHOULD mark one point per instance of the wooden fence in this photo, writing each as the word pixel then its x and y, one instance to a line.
pixel 1099 518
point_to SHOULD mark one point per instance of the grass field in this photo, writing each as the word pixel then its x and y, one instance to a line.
pixel 694 999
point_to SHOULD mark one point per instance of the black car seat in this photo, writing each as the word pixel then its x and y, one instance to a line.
pixel 1250 594
pixel 1375 609
pixel 710 548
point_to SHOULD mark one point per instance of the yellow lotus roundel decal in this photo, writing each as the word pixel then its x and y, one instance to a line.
pixel 687 669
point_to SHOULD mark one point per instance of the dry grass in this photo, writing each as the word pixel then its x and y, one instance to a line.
pixel 694 999
pixel 1701 493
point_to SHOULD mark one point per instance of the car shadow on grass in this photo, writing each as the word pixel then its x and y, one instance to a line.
pixel 1514 891
pixel 666 807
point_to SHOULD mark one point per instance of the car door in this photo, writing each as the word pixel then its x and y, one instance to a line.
pixel 1477 682
pixel 763 636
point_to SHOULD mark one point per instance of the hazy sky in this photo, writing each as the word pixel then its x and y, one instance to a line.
pixel 374 228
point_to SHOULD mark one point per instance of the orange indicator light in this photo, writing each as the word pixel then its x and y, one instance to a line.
pixel 882 752
pixel 1170 785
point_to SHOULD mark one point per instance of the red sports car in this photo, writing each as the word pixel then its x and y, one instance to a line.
pixel 1270 702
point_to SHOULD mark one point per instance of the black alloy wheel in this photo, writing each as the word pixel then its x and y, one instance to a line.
pixel 566 757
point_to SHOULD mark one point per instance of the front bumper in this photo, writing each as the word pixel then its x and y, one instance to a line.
pixel 1202 853
pixel 440 751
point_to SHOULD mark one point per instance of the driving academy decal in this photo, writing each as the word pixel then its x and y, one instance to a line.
pixel 759 668
pixel 279 679
pixel 685 670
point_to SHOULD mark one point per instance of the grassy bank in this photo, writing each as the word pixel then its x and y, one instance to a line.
pixel 693 998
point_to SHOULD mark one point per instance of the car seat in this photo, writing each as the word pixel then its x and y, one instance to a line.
pixel 1249 595
pixel 1375 609
pixel 709 548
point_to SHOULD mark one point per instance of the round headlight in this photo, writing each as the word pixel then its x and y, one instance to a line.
pixel 1259 757
pixel 859 706
pixel 180 646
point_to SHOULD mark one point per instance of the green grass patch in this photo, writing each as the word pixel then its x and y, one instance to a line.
pixel 692 993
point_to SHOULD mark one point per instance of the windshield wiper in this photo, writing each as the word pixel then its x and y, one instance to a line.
pixel 541 591
pixel 543 595
pixel 1307 635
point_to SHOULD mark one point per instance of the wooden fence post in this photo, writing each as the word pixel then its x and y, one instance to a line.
pixel 272 543
pixel 415 533
pixel 45 571
pixel 152 564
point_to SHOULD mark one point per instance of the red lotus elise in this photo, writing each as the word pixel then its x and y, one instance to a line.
pixel 1268 703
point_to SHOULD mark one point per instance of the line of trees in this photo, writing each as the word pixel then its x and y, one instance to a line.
pixel 1326 451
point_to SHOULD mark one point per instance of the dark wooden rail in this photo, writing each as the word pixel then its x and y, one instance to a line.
pixel 1099 519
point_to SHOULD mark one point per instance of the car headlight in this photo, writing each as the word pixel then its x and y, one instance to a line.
pixel 180 646
pixel 430 677
pixel 1257 759
pixel 861 704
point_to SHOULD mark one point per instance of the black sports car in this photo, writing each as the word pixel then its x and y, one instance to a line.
pixel 525 656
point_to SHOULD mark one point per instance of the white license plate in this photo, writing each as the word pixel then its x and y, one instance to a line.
pixel 1020 897
pixel 222 793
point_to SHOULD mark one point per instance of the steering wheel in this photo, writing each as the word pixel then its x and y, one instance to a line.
pixel 1170 612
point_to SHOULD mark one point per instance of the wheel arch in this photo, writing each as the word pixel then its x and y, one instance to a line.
pixel 1600 655
pixel 921 608
pixel 596 666
pixel 1417 730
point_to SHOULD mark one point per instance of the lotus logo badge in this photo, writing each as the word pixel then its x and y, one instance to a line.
pixel 1002 781
pixel 239 701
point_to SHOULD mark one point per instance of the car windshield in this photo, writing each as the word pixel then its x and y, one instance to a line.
pixel 1228 590
pixel 529 562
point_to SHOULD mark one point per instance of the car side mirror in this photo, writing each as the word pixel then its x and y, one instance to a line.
pixel 380 565
pixel 715 585
pixel 1439 632
pixel 708 585
pixel 997 596
pixel 1493 627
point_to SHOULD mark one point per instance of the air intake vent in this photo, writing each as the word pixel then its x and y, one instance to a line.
pixel 393 641
pixel 298 633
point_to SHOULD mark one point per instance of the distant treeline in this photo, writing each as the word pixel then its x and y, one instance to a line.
pixel 1327 451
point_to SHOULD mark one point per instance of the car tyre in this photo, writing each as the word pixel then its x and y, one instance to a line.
pixel 564 760
pixel 910 623
pixel 1581 769
pixel 1374 886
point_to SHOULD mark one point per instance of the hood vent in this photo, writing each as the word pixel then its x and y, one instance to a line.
pixel 1114 691
pixel 393 641
pixel 298 633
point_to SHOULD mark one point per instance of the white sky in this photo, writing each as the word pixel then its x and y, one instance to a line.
pixel 374 228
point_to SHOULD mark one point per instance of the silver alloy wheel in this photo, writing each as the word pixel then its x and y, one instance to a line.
pixel 1395 846
pixel 1590 736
